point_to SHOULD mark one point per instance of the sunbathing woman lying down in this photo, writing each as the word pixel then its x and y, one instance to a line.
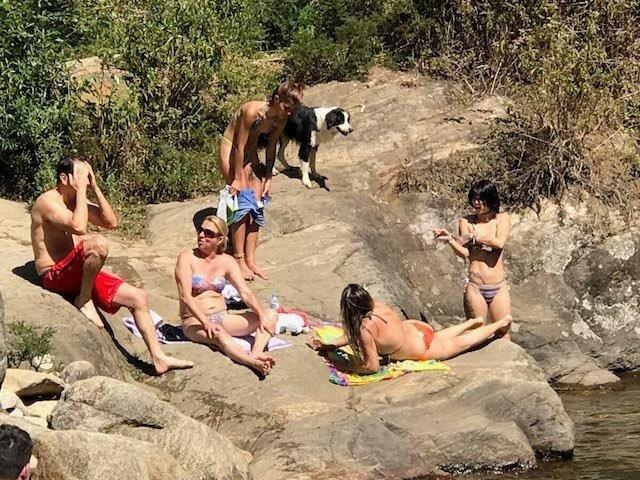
pixel 202 274
pixel 374 330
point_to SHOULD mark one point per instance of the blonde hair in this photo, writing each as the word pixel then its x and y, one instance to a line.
pixel 220 227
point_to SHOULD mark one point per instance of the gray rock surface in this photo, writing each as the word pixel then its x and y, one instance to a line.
pixel 75 455
pixel 296 423
pixel 25 300
pixel 316 241
pixel 3 345
pixel 9 402
pixel 27 383
pixel 105 405
pixel 78 370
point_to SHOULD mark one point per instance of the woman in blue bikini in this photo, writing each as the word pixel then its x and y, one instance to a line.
pixel 482 238
pixel 202 274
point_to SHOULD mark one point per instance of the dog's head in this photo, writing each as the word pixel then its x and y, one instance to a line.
pixel 338 118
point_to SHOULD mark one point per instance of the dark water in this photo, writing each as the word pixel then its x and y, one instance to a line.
pixel 607 436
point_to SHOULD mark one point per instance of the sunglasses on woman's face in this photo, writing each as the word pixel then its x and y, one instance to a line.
pixel 208 232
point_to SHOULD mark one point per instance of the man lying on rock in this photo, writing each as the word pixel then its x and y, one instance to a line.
pixel 70 262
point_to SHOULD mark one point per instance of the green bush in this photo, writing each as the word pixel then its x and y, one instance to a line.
pixel 187 66
pixel 571 68
pixel 27 343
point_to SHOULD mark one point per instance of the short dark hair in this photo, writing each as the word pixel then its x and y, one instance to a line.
pixel 485 191
pixel 15 451
pixel 288 92
pixel 64 166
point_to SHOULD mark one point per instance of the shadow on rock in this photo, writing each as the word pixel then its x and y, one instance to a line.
pixel 295 172
pixel 28 272
pixel 133 360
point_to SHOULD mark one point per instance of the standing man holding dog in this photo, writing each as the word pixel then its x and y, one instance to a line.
pixel 255 125
pixel 69 261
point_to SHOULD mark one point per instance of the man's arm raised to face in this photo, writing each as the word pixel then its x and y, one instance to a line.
pixel 57 213
pixel 102 214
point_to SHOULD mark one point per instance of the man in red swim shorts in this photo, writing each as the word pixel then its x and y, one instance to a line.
pixel 70 262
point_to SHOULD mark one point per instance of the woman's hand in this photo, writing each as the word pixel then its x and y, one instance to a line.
pixel 235 186
pixel 442 234
pixel 316 344
pixel 210 330
pixel 267 325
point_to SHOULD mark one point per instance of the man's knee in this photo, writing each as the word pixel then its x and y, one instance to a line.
pixel 140 300
pixel 96 245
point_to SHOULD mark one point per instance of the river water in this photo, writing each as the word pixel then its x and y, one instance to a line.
pixel 607 436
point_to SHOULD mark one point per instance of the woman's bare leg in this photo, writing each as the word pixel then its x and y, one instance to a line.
pixel 247 323
pixel 260 363
pixel 456 330
pixel 239 235
pixel 444 348
pixel 251 245
pixel 253 232
pixel 500 308
pixel 474 303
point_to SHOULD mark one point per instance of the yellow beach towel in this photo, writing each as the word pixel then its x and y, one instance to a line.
pixel 328 333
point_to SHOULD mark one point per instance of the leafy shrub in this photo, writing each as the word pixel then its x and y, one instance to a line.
pixel 27 342
pixel 571 68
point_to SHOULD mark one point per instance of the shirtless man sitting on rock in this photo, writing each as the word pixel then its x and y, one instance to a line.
pixel 70 262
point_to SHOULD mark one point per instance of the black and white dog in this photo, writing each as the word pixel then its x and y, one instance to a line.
pixel 309 127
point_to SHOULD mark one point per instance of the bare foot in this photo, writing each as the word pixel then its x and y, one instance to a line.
pixel 475 322
pixel 88 309
pixel 258 271
pixel 505 323
pixel 165 363
pixel 246 271
pixel 262 363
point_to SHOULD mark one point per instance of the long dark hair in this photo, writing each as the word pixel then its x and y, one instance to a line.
pixel 355 304
pixel 485 191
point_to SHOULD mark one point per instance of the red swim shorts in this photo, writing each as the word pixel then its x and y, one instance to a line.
pixel 65 277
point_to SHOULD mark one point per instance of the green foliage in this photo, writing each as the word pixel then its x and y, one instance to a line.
pixel 172 72
pixel 148 113
pixel 27 342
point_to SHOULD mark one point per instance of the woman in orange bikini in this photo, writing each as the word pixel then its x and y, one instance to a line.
pixel 374 330
pixel 482 238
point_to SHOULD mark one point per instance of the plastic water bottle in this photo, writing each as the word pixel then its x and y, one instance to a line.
pixel 274 302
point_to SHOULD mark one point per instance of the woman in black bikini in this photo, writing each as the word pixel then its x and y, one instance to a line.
pixel 481 240
pixel 374 330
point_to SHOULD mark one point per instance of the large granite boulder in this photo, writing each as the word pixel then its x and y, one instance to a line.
pixel 76 371
pixel 27 383
pixel 101 404
pixel 574 288
pixel 494 409
pixel 25 300
pixel 74 455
